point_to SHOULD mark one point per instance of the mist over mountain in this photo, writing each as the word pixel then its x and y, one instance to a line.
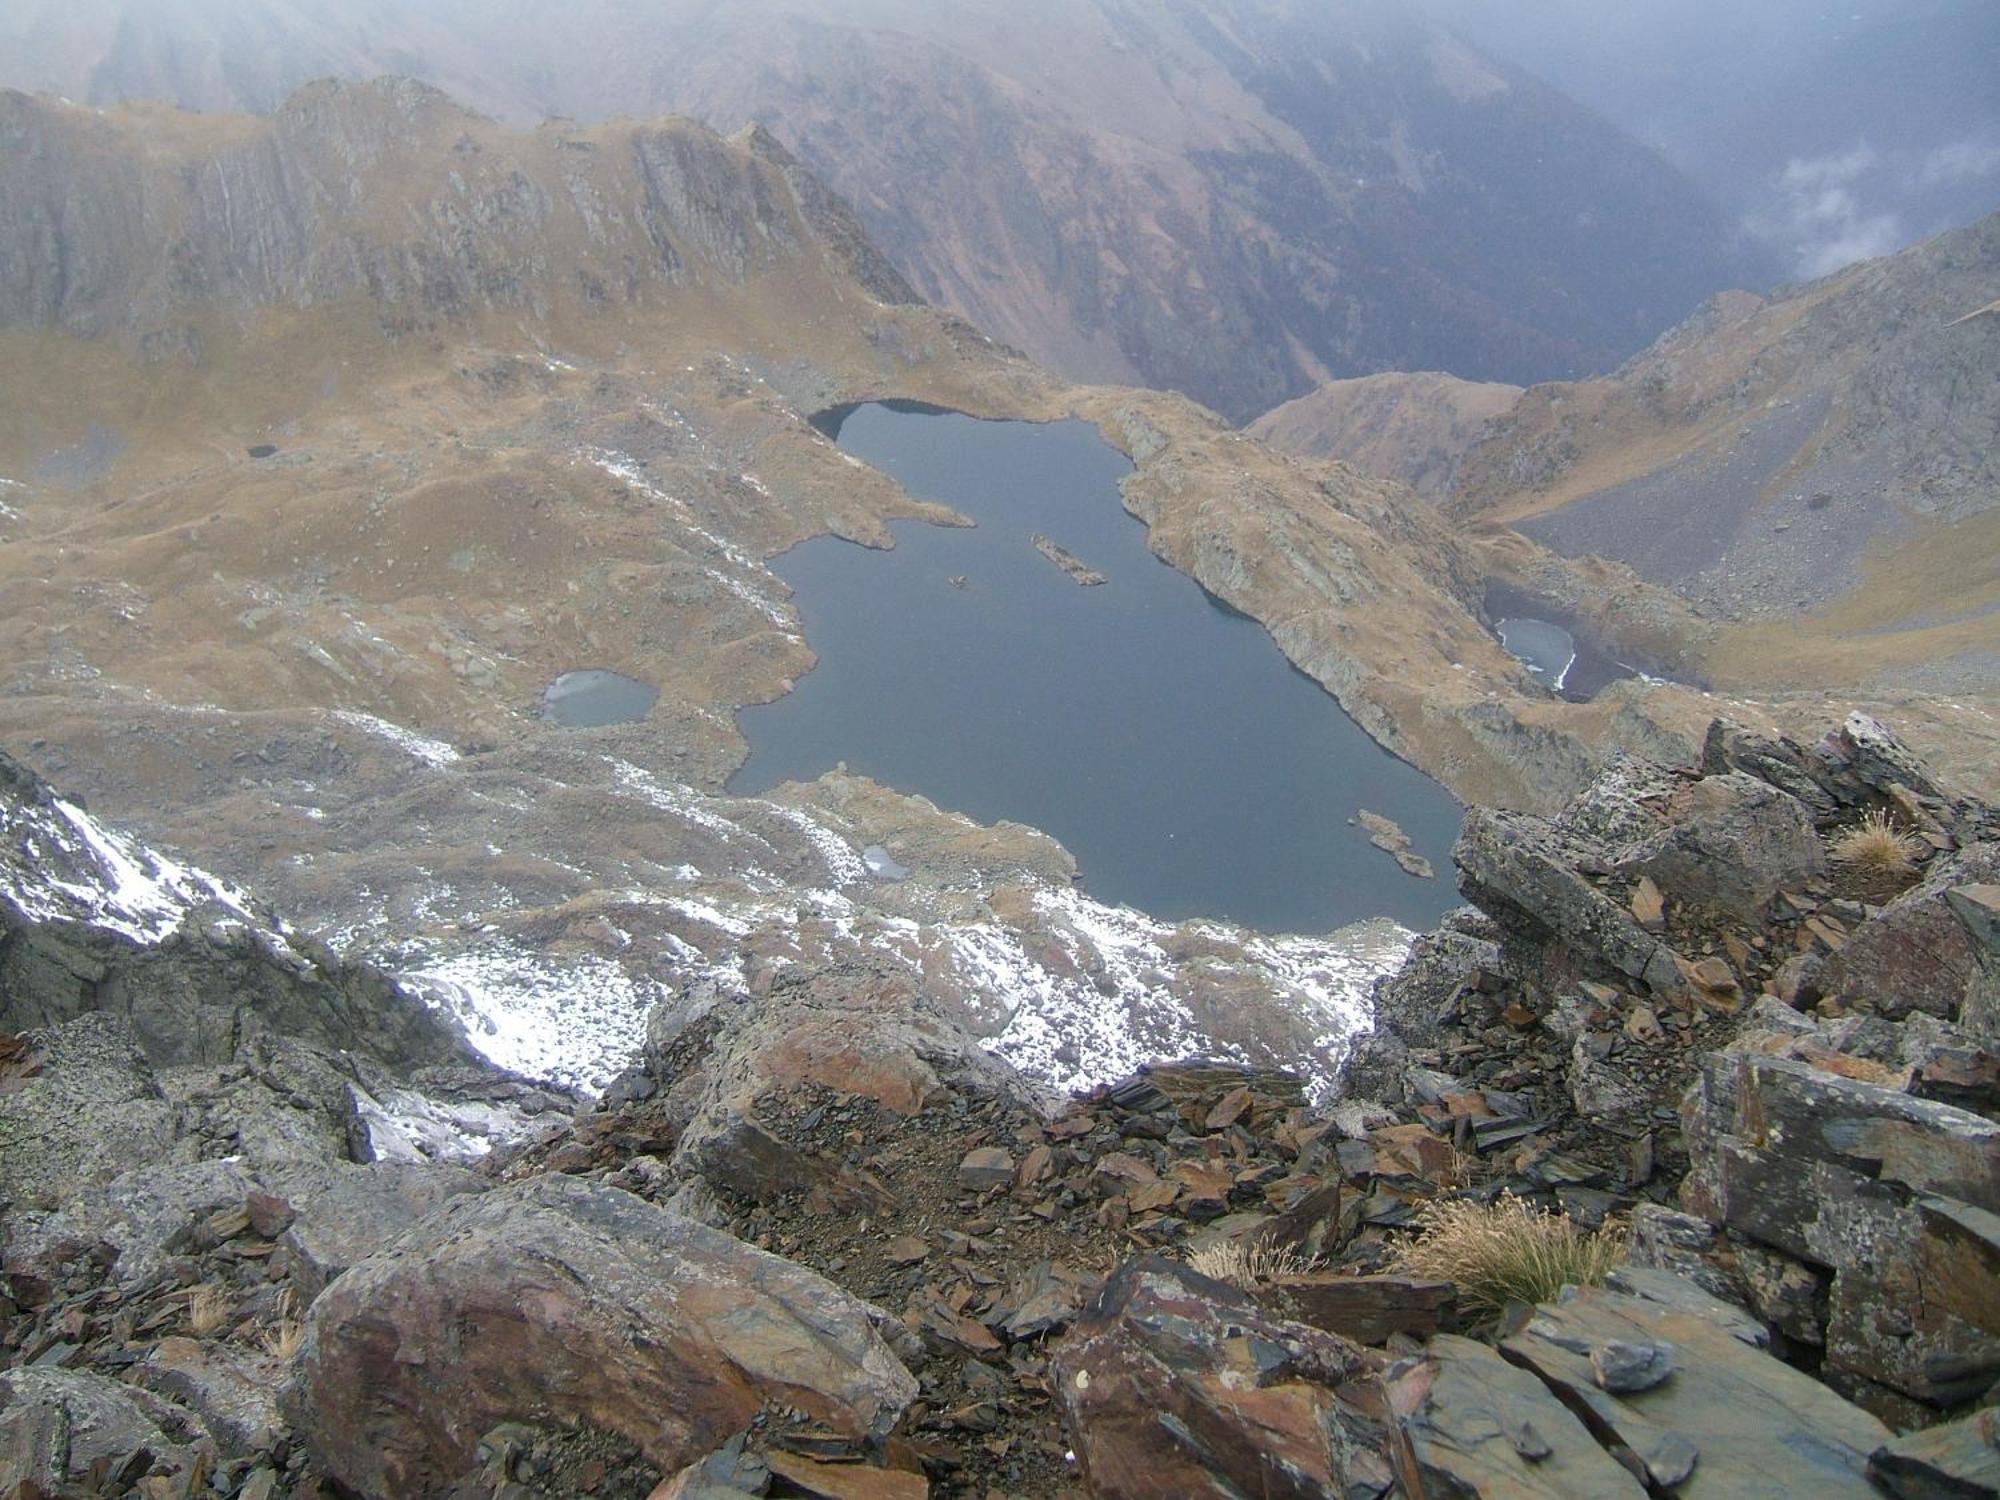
pixel 1235 198
pixel 1836 132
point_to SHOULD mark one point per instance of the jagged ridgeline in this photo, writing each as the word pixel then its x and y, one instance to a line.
pixel 156 224
pixel 1228 197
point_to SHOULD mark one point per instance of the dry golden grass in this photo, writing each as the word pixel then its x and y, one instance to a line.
pixel 207 1310
pixel 1876 846
pixel 283 1339
pixel 1246 1263
pixel 1507 1251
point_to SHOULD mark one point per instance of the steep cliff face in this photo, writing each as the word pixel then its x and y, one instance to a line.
pixel 1828 449
pixel 1235 198
pixel 388 192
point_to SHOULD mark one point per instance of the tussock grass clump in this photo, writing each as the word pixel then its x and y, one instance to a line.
pixel 283 1339
pixel 286 1335
pixel 1247 1263
pixel 1877 847
pixel 207 1310
pixel 1507 1251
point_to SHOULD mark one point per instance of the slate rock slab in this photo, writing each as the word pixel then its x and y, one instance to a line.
pixel 1732 1421
pixel 1489 1429
pixel 1957 1461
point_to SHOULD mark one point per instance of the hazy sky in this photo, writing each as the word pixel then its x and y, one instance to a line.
pixel 1834 130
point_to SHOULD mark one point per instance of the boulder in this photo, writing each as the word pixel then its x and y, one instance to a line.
pixel 1512 862
pixel 1782 763
pixel 1977 908
pixel 1918 953
pixel 718 1059
pixel 1440 968
pixel 56 1426
pixel 1895 1196
pixel 1955 1461
pixel 138 1221
pixel 1705 1414
pixel 362 1210
pixel 1733 842
pixel 1172 1384
pixel 92 1108
pixel 234 1392
pixel 560 1300
pixel 1366 1309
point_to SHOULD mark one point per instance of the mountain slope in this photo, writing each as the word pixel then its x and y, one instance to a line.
pixel 1236 198
pixel 1830 449
pixel 1412 428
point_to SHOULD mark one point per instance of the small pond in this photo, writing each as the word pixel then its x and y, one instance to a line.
pixel 1162 737
pixel 1551 647
pixel 594 697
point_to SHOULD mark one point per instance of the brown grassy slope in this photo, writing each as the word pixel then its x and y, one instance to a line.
pixel 1410 427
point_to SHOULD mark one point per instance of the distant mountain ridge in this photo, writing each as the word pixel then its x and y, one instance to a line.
pixel 1236 198
pixel 1824 463
pixel 389 191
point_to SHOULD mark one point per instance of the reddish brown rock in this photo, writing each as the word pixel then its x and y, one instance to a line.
pixel 1367 1309
pixel 563 1301
pixel 1171 1384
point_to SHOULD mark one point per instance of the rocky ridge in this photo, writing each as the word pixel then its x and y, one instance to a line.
pixel 1670 1007
pixel 1233 199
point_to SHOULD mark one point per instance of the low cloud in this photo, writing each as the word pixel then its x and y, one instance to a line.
pixel 1819 214
pixel 1962 161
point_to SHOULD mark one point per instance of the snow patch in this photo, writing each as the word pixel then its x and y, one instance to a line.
pixel 578 1020
pixel 843 864
pixel 433 753
pixel 70 867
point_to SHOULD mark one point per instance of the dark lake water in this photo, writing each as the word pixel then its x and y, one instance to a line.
pixel 1160 735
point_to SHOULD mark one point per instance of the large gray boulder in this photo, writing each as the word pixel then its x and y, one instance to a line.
pixel 362 1210
pixel 1896 1198
pixel 1518 867
pixel 1732 843
pixel 559 1301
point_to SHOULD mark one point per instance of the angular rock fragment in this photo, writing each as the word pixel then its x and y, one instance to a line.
pixel 985 1169
pixel 1172 1384
pixel 1622 1367
pixel 60 1427
pixel 563 1300
pixel 1956 1461
pixel 1892 1194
